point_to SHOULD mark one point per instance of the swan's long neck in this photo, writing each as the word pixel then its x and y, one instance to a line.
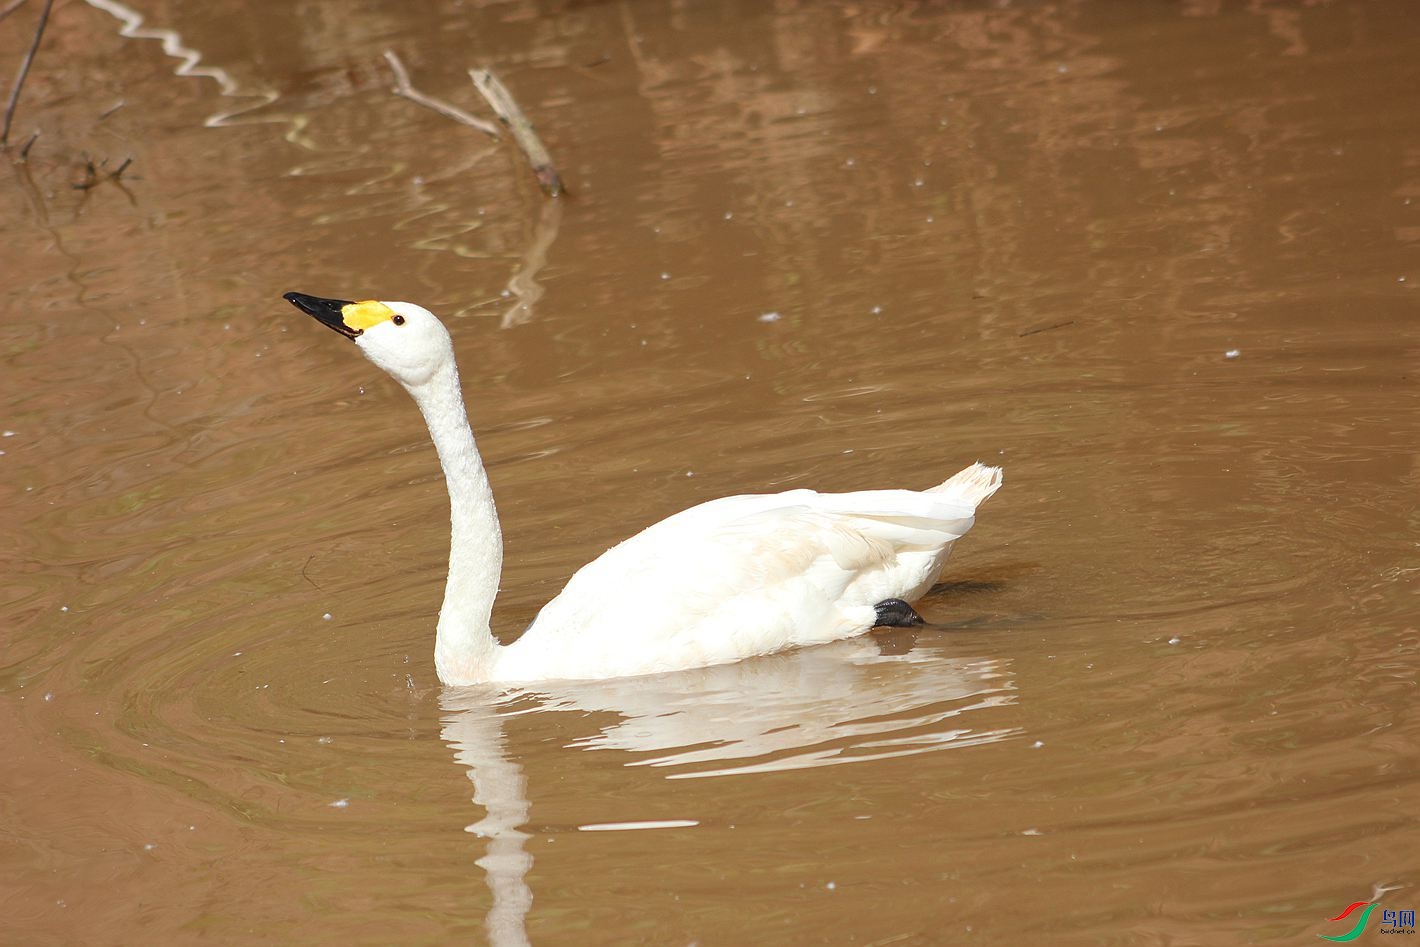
pixel 465 647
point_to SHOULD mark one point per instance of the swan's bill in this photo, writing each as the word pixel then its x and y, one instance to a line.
pixel 348 318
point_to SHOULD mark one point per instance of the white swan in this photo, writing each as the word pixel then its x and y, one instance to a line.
pixel 725 580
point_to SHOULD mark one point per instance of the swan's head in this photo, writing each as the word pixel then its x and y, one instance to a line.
pixel 404 339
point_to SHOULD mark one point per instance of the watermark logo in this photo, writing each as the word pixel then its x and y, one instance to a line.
pixel 1392 922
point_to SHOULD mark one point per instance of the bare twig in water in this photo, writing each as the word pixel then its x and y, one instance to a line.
pixel 1038 329
pixel 25 148
pixel 24 71
pixel 89 178
pixel 511 116
pixel 405 88
pixel 306 577
pixel 11 8
pixel 111 109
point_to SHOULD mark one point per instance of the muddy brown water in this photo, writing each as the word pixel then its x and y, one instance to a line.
pixel 1158 260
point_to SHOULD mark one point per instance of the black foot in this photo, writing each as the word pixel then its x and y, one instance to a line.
pixel 895 613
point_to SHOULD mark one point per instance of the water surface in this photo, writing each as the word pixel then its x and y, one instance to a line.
pixel 1156 260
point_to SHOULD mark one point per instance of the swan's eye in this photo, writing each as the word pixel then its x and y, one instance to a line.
pixel 398 320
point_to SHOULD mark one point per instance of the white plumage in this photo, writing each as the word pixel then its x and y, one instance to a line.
pixel 725 580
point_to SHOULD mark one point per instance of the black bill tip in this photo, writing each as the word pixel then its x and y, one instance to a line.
pixel 326 311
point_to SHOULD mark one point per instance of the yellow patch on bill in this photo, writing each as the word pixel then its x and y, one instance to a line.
pixel 363 315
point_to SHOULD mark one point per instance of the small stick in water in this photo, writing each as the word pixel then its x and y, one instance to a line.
pixel 25 149
pixel 405 88
pixel 517 123
pixel 24 71
pixel 11 8
pixel 89 176
pixel 306 577
pixel 1039 329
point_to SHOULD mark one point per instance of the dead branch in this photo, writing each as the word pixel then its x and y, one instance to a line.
pixel 405 88
pixel 112 108
pixel 24 71
pixel 306 577
pixel 25 149
pixel 1046 328
pixel 90 178
pixel 517 123
pixel 11 8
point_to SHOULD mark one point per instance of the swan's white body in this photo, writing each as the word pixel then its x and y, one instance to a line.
pixel 725 580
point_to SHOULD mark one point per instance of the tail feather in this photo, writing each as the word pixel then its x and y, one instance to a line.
pixel 971 486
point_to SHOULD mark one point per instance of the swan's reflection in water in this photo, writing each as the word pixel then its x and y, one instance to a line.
pixel 846 702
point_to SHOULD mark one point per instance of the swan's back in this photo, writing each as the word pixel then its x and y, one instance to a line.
pixel 747 575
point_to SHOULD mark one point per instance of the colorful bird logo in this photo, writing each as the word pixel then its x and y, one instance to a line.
pixel 1360 923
